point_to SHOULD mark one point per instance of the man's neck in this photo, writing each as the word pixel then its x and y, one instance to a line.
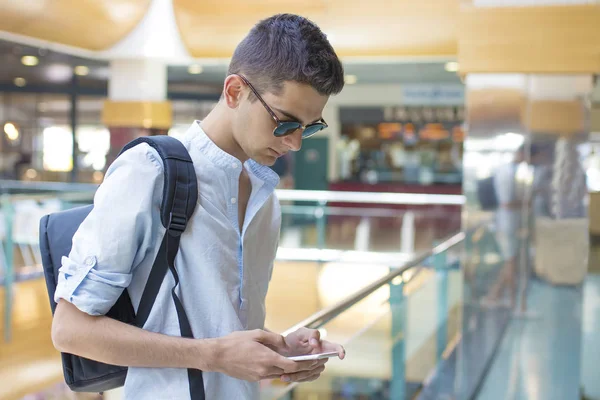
pixel 217 126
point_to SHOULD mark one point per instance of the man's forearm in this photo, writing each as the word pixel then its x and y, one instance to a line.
pixel 107 340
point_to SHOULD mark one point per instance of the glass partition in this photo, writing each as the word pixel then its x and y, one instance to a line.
pixel 20 257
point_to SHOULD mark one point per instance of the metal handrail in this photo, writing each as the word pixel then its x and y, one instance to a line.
pixel 371 197
pixel 64 196
pixel 320 318
pixel 49 186
pixel 356 211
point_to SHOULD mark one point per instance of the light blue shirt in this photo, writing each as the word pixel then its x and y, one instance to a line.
pixel 224 275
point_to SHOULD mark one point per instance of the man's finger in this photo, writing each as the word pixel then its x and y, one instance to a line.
pixel 290 366
pixel 341 352
pixel 329 346
pixel 269 338
pixel 302 376
pixel 315 338
pixel 310 378
pixel 272 376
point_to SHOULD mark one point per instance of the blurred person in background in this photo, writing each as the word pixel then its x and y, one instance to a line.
pixel 541 160
pixel 510 193
pixel 280 78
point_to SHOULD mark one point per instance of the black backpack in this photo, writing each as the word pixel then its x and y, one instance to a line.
pixel 56 233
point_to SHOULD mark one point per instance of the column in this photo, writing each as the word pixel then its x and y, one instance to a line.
pixel 137 104
pixel 528 71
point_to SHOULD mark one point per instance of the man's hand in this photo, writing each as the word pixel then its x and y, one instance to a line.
pixel 248 355
pixel 307 341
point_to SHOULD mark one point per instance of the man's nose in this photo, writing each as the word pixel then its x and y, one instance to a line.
pixel 294 140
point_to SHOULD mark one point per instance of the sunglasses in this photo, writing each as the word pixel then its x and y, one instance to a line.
pixel 285 128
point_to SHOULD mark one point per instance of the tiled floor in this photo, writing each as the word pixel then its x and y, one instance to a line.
pixel 549 354
pixel 591 337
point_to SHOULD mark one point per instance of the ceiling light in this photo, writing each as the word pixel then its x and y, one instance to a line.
pixel 98 176
pixel 58 73
pixel 30 61
pixel 451 66
pixel 31 173
pixel 20 82
pixel 195 69
pixel 81 70
pixel 351 79
pixel 11 131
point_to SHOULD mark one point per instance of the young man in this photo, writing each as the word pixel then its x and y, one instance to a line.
pixel 280 78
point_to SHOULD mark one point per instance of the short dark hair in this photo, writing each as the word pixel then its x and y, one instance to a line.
pixel 287 47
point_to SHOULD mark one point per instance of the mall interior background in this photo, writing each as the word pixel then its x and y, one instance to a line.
pixel 438 103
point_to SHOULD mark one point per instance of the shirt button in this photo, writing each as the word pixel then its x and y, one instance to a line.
pixel 233 200
pixel 90 261
pixel 234 165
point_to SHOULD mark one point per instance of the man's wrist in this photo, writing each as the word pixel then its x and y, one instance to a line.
pixel 203 355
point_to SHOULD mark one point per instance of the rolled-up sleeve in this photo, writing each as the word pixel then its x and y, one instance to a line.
pixel 120 232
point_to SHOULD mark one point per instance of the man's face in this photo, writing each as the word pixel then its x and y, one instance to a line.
pixel 254 127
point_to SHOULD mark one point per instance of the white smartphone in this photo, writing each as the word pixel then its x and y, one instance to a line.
pixel 310 357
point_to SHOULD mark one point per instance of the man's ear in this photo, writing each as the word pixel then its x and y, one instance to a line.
pixel 233 90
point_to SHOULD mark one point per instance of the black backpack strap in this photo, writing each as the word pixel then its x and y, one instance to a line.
pixel 180 191
pixel 180 195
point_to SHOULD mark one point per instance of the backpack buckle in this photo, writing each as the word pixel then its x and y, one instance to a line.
pixel 177 224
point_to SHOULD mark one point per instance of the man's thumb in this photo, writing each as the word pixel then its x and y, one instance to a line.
pixel 315 338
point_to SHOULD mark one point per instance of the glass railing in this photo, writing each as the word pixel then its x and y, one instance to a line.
pixel 368 222
pixel 33 187
pixel 401 332
pixel 335 243
pixel 365 229
pixel 20 257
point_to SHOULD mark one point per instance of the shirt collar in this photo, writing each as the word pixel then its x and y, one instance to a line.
pixel 196 136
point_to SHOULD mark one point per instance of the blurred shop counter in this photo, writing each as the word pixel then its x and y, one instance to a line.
pixel 444 219
pixel 396 187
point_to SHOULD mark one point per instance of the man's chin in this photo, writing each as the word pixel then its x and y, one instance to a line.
pixel 266 161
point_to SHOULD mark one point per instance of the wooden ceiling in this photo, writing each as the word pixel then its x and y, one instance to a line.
pixel 547 39
pixel 212 28
pixel 405 28
pixel 87 24
pixel 552 39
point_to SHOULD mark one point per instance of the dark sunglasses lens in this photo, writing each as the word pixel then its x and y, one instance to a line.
pixel 286 128
pixel 312 129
